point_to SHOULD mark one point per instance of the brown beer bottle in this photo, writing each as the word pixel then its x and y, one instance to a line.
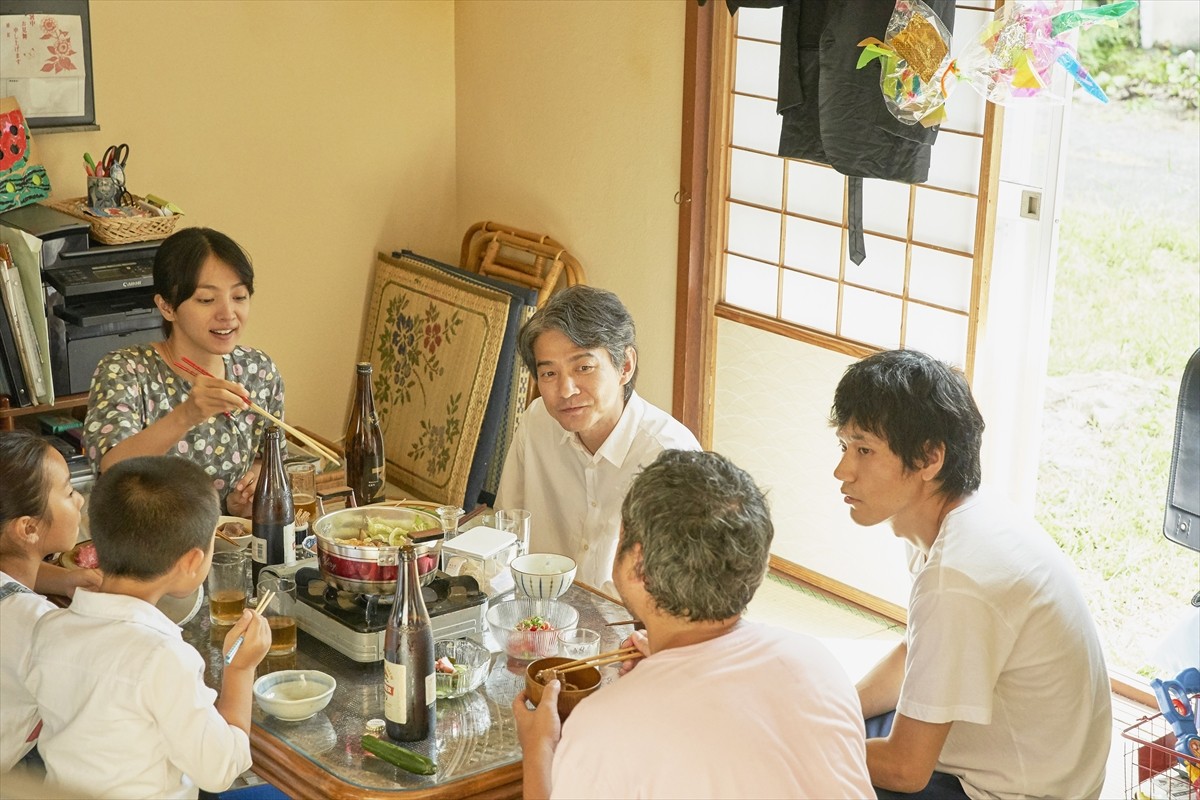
pixel 365 462
pixel 410 686
pixel 274 533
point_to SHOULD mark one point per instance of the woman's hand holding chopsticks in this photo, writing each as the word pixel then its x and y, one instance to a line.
pixel 212 396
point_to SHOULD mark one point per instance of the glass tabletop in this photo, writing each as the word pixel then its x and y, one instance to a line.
pixel 475 733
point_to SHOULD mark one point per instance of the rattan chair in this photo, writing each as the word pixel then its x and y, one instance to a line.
pixel 519 256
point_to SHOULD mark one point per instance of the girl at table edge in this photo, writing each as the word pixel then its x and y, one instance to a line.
pixel 141 403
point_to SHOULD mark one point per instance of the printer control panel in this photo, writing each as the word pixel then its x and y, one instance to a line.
pixel 77 280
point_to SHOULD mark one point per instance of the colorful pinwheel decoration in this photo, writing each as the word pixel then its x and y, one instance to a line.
pixel 1010 58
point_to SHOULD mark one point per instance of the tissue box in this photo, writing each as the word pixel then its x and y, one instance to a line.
pixel 482 553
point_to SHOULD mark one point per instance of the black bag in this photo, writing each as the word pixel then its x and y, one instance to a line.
pixel 1181 524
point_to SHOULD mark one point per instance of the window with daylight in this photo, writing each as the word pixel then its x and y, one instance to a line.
pixel 784 222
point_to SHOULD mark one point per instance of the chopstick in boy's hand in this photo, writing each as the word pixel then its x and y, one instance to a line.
pixel 263 602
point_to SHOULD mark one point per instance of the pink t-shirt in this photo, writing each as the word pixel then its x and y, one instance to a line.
pixel 759 712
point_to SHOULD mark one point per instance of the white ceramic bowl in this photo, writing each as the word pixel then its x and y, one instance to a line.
pixel 544 576
pixel 294 694
pixel 244 539
pixel 503 617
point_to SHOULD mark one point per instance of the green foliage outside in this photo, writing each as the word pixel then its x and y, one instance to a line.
pixel 1126 72
pixel 1126 317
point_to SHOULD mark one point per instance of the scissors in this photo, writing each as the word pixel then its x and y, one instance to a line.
pixel 116 154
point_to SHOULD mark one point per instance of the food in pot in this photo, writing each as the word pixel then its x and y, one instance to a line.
pixel 85 556
pixel 379 533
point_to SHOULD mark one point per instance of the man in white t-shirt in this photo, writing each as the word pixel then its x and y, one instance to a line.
pixel 580 444
pixel 719 706
pixel 999 689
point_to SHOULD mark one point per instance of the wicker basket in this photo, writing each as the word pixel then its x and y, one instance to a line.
pixel 118 230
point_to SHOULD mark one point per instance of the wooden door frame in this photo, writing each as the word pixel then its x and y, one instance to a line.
pixel 694 299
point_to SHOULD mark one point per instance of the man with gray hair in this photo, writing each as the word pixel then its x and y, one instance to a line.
pixel 580 444
pixel 719 707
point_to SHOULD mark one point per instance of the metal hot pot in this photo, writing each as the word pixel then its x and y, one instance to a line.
pixel 371 570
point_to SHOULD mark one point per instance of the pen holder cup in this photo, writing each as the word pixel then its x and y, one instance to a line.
pixel 103 192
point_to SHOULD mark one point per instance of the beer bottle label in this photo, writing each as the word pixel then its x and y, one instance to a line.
pixel 289 544
pixel 258 549
pixel 395 703
pixel 430 688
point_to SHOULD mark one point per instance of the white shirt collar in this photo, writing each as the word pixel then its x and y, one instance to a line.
pixel 122 608
pixel 616 447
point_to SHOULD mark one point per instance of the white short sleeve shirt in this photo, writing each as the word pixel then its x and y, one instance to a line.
pixel 756 713
pixel 1001 643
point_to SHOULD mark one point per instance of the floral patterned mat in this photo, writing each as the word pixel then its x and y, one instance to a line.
pixel 434 340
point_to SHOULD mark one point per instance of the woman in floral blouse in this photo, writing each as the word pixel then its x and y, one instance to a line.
pixel 142 404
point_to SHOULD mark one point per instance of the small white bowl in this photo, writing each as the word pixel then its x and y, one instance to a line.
pixel 543 576
pixel 294 694
pixel 244 539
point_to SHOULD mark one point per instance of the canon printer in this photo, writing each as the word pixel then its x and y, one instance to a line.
pixel 99 298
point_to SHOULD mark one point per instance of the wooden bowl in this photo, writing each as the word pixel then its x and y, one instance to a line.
pixel 588 681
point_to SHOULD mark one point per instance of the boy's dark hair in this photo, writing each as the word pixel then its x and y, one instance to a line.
pixel 591 318
pixel 26 491
pixel 705 531
pixel 147 512
pixel 915 401
pixel 181 256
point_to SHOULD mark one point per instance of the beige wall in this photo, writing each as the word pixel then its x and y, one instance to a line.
pixel 314 133
pixel 569 124
pixel 317 133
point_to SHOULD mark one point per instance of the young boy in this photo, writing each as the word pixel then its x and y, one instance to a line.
pixel 124 707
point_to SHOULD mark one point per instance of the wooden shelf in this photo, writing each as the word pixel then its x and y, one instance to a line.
pixel 8 413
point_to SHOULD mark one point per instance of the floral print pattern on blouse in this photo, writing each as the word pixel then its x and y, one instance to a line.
pixel 134 387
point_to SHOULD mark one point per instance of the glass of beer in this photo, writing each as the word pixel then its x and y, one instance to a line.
pixel 228 579
pixel 303 477
pixel 280 613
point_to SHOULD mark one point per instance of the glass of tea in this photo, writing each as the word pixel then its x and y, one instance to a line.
pixel 280 613
pixel 303 477
pixel 228 581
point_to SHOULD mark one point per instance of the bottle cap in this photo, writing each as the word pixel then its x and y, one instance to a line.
pixel 376 726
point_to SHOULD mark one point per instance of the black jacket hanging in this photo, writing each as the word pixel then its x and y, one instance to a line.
pixel 834 113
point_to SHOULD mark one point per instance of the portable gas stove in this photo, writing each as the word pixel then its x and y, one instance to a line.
pixel 355 626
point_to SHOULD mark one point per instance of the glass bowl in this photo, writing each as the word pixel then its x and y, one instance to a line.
pixel 503 617
pixel 472 663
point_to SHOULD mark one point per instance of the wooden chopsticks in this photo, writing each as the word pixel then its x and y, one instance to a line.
pixel 599 660
pixel 193 369
pixel 263 602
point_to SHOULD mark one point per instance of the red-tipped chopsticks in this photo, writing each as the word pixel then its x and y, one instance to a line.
pixel 193 369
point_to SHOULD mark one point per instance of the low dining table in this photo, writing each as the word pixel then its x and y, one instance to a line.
pixel 475 744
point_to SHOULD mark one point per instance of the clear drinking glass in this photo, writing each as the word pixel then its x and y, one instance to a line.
pixel 280 613
pixel 578 643
pixel 448 516
pixel 516 522
pixel 303 477
pixel 228 582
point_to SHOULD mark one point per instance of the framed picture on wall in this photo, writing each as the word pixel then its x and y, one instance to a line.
pixel 46 61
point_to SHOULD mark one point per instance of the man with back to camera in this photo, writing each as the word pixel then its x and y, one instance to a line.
pixel 999 688
pixel 720 706
pixel 579 445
